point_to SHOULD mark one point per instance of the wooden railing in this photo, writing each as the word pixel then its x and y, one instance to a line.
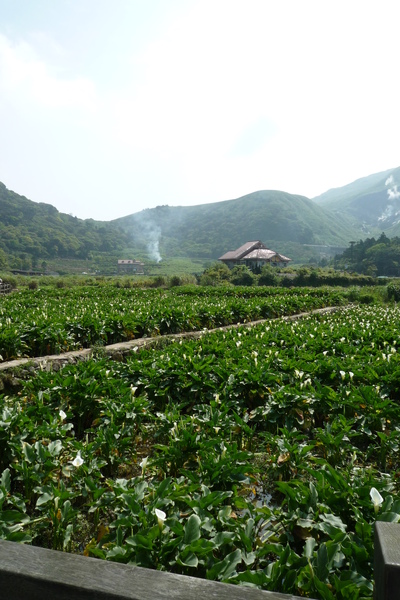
pixel 31 573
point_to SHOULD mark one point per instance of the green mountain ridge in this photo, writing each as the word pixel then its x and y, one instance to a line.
pixel 41 232
pixel 210 230
pixel 371 204
pixel 32 233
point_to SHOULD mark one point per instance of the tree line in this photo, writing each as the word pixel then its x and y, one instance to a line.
pixel 375 257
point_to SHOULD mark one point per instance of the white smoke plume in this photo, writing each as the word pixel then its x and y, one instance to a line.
pixel 393 193
pixel 153 243
pixel 151 232
pixel 387 213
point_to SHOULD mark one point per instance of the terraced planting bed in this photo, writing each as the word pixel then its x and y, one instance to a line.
pixel 260 456
pixel 50 321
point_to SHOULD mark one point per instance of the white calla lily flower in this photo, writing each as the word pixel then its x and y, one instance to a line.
pixel 143 464
pixel 161 516
pixel 376 499
pixel 78 460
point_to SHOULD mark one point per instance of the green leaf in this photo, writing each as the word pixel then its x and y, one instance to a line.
pixel 313 495
pixel 390 517
pixel 5 481
pixel 188 559
pixel 240 503
pixel 20 537
pixel 29 453
pixel 192 529
pixel 334 521
pixel 214 498
pixel 67 535
pixel 321 567
pixel 44 498
pixel 163 487
pixel 225 513
pixel 140 540
pixel 309 547
pixel 201 547
pixel 117 554
pixel 223 537
pixel 13 516
pixel 249 558
pixel 225 568
pixel 357 578
pixel 249 527
pixel 41 451
pixel 323 589
pixel 55 447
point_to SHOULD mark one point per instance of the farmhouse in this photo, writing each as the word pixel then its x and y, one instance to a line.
pixel 130 267
pixel 254 255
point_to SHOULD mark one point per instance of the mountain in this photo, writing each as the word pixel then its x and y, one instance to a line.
pixel 40 231
pixel 371 204
pixel 32 233
pixel 210 230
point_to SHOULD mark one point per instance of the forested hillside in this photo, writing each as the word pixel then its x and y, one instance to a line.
pixel 371 204
pixel 210 230
pixel 372 256
pixel 32 232
pixel 36 234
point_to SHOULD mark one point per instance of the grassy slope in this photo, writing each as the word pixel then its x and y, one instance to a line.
pixel 366 203
pixel 210 230
pixel 360 187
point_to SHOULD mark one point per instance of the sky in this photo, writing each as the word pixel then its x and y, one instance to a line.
pixel 108 108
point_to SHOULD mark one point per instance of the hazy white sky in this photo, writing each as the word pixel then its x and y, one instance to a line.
pixel 108 107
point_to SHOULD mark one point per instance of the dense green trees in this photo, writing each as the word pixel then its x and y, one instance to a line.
pixel 3 260
pixel 379 257
pixel 268 276
pixel 32 232
pixel 241 275
pixel 217 274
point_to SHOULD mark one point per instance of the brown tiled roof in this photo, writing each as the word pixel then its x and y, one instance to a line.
pixel 242 251
pixel 253 251
pixel 260 253
pixel 284 258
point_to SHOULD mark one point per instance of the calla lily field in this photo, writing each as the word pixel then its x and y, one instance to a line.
pixel 254 455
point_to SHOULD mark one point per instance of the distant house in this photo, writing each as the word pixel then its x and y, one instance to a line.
pixel 130 267
pixel 254 255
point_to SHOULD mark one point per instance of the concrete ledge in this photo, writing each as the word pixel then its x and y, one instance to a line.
pixel 387 561
pixel 31 573
pixel 119 350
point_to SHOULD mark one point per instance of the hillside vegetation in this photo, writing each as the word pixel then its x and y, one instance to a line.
pixel 372 256
pixel 372 204
pixel 32 232
pixel 210 230
pixel 37 236
pixel 260 454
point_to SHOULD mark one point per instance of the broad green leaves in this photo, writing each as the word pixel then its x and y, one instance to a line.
pixel 52 321
pixel 260 446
